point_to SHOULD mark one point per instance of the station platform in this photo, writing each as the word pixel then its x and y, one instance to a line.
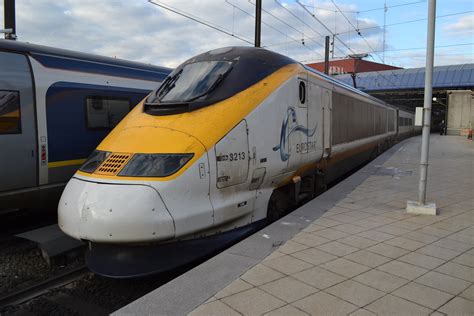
pixel 351 251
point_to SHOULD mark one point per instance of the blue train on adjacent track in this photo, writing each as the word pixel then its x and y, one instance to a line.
pixel 55 107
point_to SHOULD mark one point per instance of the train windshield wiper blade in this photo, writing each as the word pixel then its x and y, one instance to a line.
pixel 169 85
pixel 213 86
pixel 166 86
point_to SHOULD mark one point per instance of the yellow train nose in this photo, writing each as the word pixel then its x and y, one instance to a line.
pixel 150 139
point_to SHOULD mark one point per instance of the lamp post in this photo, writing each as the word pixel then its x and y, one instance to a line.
pixel 421 207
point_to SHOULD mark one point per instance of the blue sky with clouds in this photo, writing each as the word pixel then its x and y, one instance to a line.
pixel 450 30
pixel 141 31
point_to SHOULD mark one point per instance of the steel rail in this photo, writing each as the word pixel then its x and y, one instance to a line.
pixel 40 288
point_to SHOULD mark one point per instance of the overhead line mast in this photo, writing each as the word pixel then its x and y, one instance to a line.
pixel 258 22
pixel 9 18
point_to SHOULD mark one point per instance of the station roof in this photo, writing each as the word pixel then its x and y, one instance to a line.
pixel 453 76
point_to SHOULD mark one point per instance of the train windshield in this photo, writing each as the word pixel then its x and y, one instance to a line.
pixel 191 82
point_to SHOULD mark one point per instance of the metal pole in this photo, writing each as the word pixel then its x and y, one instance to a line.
pixel 332 47
pixel 258 22
pixel 9 18
pixel 384 28
pixel 427 102
pixel 326 57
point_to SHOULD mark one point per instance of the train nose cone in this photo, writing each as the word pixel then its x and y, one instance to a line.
pixel 113 213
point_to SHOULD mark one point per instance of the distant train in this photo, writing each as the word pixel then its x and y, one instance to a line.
pixel 229 141
pixel 55 107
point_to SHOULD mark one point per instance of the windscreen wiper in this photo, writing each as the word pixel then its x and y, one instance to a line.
pixel 213 86
pixel 167 85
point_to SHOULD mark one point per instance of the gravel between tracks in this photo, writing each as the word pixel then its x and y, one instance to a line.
pixel 22 265
pixel 92 293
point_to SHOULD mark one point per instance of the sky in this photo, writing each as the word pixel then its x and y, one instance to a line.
pixel 143 31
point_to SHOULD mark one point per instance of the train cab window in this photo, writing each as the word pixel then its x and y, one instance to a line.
pixel 106 112
pixel 302 92
pixel 10 115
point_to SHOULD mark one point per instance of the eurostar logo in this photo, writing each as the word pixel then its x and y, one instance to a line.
pixel 289 126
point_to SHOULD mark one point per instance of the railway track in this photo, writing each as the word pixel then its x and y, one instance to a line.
pixel 40 288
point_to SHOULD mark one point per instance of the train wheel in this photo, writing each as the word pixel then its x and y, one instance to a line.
pixel 276 209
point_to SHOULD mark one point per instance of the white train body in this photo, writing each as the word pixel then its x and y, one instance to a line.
pixel 268 137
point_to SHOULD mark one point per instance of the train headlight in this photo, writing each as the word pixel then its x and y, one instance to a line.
pixel 94 160
pixel 154 165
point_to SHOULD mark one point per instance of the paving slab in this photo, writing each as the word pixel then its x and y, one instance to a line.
pixel 351 251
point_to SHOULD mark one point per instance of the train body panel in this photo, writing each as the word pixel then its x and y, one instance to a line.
pixel 234 159
pixel 17 123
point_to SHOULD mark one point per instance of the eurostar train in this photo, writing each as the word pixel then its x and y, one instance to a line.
pixel 229 140
pixel 55 107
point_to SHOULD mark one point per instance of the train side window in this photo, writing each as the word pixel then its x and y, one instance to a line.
pixel 105 112
pixel 10 115
pixel 302 92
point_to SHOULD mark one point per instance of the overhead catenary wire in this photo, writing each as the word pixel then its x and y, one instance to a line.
pixel 368 10
pixel 290 26
pixel 200 20
pixel 424 56
pixel 357 30
pixel 392 24
pixel 293 40
pixel 324 25
pixel 437 46
pixel 272 27
pixel 392 6
pixel 295 16
pixel 341 41
pixel 411 21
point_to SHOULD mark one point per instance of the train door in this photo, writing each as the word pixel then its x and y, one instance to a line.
pixel 297 125
pixel 326 100
pixel 230 194
pixel 18 150
pixel 314 142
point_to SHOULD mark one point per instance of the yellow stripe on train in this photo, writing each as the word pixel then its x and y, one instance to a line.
pixel 65 163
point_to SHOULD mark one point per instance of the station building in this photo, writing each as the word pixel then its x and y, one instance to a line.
pixel 351 65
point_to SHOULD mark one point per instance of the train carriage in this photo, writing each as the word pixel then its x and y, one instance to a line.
pixel 228 141
pixel 55 107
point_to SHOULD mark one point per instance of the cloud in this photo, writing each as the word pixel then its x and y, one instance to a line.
pixel 463 26
pixel 141 31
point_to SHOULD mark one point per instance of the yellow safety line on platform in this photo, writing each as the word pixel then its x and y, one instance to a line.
pixel 66 163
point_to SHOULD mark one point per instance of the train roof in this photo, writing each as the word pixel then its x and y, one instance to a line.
pixel 271 60
pixel 345 86
pixel 83 62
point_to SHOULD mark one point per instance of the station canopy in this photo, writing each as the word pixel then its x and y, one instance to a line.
pixel 448 77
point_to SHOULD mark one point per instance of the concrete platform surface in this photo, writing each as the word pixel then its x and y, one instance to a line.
pixel 352 251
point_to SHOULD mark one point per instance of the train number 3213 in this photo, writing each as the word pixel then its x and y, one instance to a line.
pixel 232 157
pixel 237 156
